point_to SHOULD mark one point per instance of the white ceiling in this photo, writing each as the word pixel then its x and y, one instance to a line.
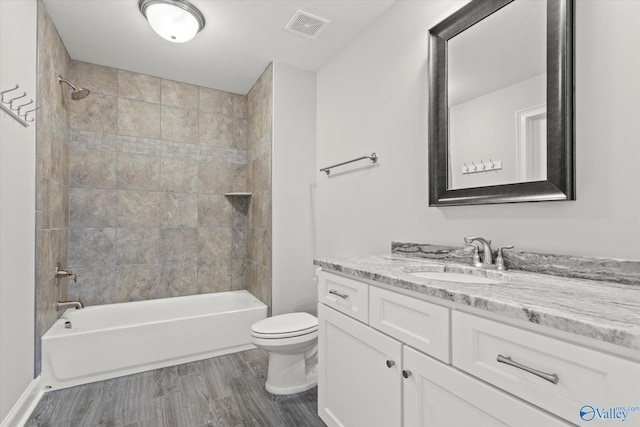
pixel 505 48
pixel 240 39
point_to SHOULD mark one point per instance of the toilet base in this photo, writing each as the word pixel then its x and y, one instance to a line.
pixel 292 373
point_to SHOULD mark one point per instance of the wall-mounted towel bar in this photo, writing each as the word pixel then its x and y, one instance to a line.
pixel 373 157
pixel 16 111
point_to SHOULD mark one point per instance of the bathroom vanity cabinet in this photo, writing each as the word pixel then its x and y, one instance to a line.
pixel 391 359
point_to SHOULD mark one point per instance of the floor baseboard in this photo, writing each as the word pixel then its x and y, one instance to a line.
pixel 19 414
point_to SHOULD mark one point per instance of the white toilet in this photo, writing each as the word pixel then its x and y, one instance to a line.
pixel 292 342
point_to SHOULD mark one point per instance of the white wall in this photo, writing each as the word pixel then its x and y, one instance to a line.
pixel 294 180
pixel 473 140
pixel 17 205
pixel 373 97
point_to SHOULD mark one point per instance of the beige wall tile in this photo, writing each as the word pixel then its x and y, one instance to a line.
pixel 58 205
pixel 178 210
pixel 239 106
pixel 259 281
pixel 89 207
pixel 179 175
pixel 214 276
pixel 175 234
pixel 179 278
pixel 180 95
pixel 178 244
pixel 96 78
pixel 58 158
pixel 138 172
pixel 239 176
pixel 239 242
pixel 92 168
pixel 44 139
pixel 52 173
pixel 137 245
pixel 239 211
pixel 137 282
pixel 216 101
pixel 179 125
pixel 216 129
pixel 139 87
pixel 96 285
pixel 240 134
pixel 45 264
pixel 138 208
pixel 238 274
pixel 92 246
pixel 214 243
pixel 96 112
pixel 215 177
pixel 214 210
pixel 138 118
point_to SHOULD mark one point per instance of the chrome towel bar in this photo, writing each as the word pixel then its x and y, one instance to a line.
pixel 373 157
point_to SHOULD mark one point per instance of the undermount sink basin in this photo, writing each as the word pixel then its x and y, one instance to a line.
pixel 446 276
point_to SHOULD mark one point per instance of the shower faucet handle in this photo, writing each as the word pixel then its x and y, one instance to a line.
pixel 61 274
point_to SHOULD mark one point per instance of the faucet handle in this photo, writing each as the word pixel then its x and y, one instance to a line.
pixel 476 254
pixel 500 259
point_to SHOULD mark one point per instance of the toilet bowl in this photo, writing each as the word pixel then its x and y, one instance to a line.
pixel 292 342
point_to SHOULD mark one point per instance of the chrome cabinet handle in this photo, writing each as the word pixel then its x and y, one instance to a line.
pixel 406 374
pixel 338 294
pixel 552 378
pixel 390 363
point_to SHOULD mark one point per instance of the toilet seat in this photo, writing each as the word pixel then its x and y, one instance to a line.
pixel 285 326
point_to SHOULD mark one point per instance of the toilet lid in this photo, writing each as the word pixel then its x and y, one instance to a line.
pixel 285 325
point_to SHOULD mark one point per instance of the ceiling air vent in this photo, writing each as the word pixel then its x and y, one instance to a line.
pixel 306 24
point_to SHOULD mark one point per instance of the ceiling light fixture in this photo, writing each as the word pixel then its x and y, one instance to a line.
pixel 175 20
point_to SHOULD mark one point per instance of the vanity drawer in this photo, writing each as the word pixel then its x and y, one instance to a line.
pixel 585 378
pixel 420 324
pixel 345 295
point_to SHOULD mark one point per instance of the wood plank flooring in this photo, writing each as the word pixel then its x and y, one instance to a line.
pixel 222 391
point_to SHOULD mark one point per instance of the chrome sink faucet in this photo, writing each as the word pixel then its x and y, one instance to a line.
pixel 487 255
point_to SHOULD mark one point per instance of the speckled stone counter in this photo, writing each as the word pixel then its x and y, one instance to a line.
pixel 606 311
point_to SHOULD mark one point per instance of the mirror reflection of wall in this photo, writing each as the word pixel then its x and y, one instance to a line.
pixel 496 98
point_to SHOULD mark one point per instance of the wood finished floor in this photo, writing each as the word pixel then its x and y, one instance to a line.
pixel 222 391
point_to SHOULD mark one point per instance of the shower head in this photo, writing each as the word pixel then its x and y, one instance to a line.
pixel 77 92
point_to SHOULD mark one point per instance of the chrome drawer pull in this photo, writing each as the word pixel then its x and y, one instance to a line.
pixel 338 294
pixel 390 363
pixel 552 378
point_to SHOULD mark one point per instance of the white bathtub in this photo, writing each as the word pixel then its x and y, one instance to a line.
pixel 109 341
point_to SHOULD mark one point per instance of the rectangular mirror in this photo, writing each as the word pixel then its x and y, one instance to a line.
pixel 501 103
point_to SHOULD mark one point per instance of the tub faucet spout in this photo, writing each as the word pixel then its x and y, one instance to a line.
pixel 69 304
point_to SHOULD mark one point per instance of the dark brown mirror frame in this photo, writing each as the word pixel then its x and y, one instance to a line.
pixel 560 182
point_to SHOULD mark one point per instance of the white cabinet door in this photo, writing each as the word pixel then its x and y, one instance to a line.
pixel 359 373
pixel 437 395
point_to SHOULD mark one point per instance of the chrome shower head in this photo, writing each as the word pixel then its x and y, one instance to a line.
pixel 77 92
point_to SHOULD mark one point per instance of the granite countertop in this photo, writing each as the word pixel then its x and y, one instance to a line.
pixel 605 311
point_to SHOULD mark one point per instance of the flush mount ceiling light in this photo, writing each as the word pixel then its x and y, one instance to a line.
pixel 175 20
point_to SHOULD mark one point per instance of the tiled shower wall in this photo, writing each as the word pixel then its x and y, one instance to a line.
pixel 150 161
pixel 260 110
pixel 52 178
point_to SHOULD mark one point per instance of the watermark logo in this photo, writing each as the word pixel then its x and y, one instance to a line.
pixel 617 413
pixel 587 413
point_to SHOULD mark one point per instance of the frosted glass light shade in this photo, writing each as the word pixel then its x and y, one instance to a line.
pixel 174 20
